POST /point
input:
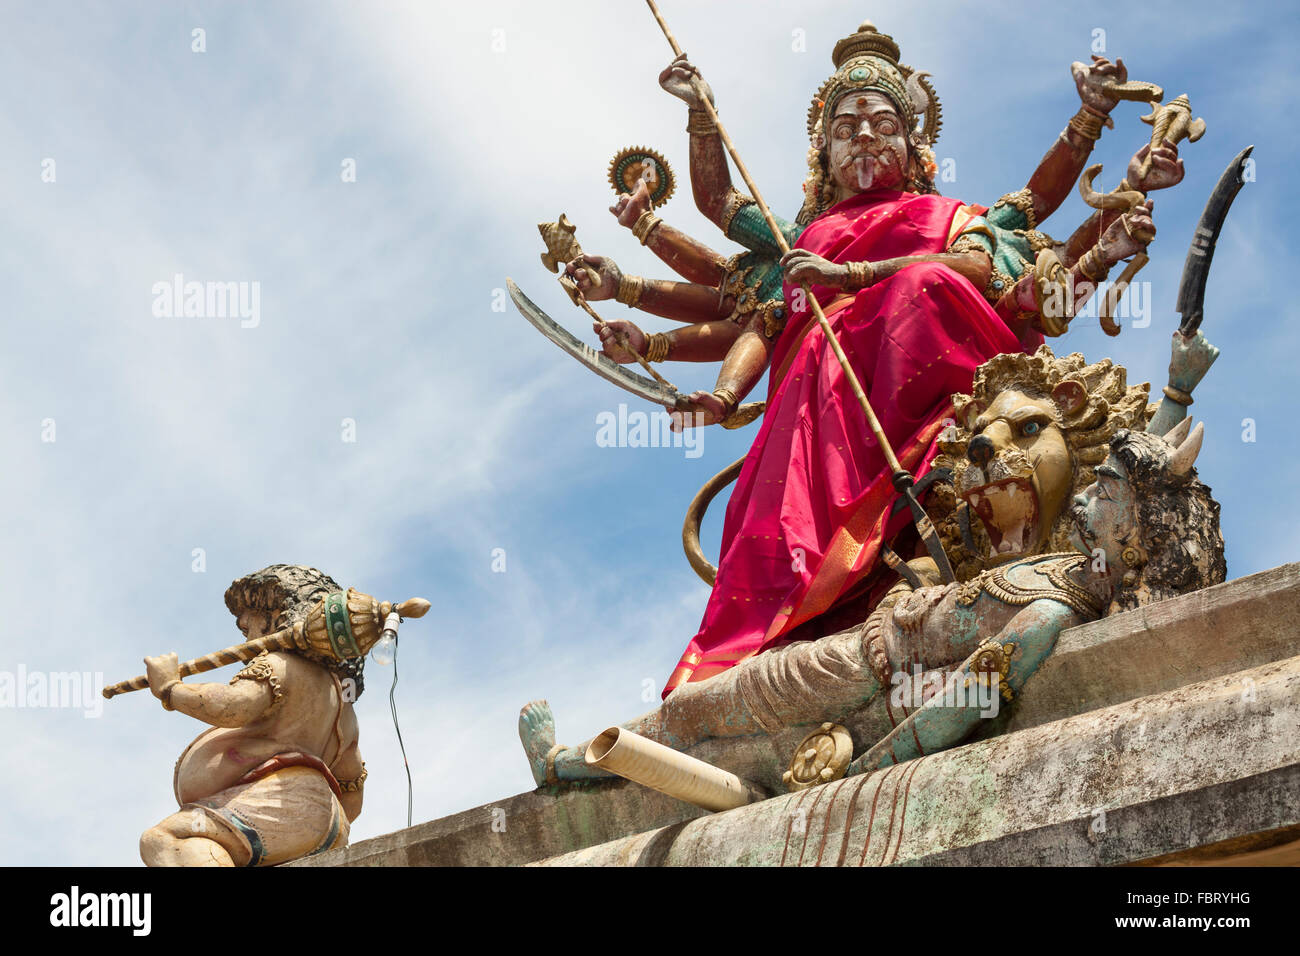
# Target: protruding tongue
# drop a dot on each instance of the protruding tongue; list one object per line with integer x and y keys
{"x": 866, "y": 170}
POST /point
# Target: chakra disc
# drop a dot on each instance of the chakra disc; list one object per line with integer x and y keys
{"x": 629, "y": 166}
{"x": 821, "y": 757}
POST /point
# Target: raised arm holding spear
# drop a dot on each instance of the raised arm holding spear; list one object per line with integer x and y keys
{"x": 901, "y": 478}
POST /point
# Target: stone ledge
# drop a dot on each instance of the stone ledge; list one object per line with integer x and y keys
{"x": 1195, "y": 766}
{"x": 537, "y": 824}
{"x": 1199, "y": 827}
{"x": 1194, "y": 637}
{"x": 1236, "y": 625}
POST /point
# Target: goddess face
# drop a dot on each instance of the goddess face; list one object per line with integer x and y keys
{"x": 866, "y": 144}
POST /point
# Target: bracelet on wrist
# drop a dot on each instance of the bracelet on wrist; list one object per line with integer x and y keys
{"x": 1178, "y": 395}
{"x": 1093, "y": 265}
{"x": 657, "y": 346}
{"x": 861, "y": 275}
{"x": 644, "y": 225}
{"x": 699, "y": 123}
{"x": 630, "y": 289}
{"x": 1088, "y": 123}
{"x": 165, "y": 695}
{"x": 728, "y": 398}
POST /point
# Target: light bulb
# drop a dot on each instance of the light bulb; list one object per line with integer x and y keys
{"x": 385, "y": 649}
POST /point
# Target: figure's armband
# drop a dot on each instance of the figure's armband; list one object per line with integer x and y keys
{"x": 1013, "y": 211}
{"x": 989, "y": 667}
{"x": 260, "y": 668}
{"x": 742, "y": 222}
{"x": 732, "y": 204}
{"x": 356, "y": 783}
{"x": 754, "y": 282}
{"x": 976, "y": 235}
{"x": 1007, "y": 235}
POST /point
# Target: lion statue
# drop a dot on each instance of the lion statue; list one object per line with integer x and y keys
{"x": 1022, "y": 444}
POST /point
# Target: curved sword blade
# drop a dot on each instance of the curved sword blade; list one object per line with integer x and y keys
{"x": 1191, "y": 291}
{"x": 599, "y": 363}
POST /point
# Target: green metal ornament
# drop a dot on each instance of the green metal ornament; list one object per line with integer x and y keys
{"x": 339, "y": 627}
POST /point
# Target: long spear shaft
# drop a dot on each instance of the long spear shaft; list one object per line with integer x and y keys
{"x": 902, "y": 479}
{"x": 890, "y": 458}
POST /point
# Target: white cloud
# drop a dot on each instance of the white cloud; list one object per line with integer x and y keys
{"x": 472, "y": 432}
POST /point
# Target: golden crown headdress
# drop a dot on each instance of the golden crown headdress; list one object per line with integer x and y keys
{"x": 868, "y": 60}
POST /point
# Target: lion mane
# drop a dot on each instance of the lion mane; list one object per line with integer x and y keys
{"x": 1110, "y": 404}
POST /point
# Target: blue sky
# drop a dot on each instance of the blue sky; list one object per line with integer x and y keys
{"x": 468, "y": 124}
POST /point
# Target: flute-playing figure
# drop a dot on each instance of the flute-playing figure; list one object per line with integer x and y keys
{"x": 279, "y": 775}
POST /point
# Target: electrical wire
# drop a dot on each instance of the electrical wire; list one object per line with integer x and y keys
{"x": 392, "y": 706}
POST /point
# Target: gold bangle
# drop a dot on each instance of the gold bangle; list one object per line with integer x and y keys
{"x": 1088, "y": 123}
{"x": 165, "y": 695}
{"x": 630, "y": 289}
{"x": 657, "y": 346}
{"x": 728, "y": 399}
{"x": 699, "y": 123}
{"x": 861, "y": 275}
{"x": 1177, "y": 395}
{"x": 1090, "y": 260}
{"x": 647, "y": 221}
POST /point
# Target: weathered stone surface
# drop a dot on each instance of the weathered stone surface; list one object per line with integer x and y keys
{"x": 1199, "y": 637}
{"x": 1191, "y": 638}
{"x": 537, "y": 825}
{"x": 1206, "y": 824}
{"x": 1198, "y": 765}
{"x": 1220, "y": 630}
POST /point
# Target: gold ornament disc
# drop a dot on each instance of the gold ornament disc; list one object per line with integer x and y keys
{"x": 629, "y": 166}
{"x": 821, "y": 757}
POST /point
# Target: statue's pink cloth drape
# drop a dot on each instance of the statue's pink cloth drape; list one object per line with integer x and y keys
{"x": 810, "y": 509}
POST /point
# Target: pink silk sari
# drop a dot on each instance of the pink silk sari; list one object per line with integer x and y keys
{"x": 810, "y": 509}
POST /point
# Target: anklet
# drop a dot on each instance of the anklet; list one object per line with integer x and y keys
{"x": 551, "y": 754}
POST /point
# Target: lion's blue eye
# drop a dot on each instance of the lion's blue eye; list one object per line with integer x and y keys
{"x": 1031, "y": 428}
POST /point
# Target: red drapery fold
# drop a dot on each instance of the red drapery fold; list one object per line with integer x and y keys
{"x": 810, "y": 509}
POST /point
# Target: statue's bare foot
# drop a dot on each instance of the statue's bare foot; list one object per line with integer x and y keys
{"x": 537, "y": 731}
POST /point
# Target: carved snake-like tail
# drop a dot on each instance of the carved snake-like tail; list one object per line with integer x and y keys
{"x": 695, "y": 514}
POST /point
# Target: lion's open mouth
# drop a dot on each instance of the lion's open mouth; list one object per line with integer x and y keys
{"x": 1008, "y": 510}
